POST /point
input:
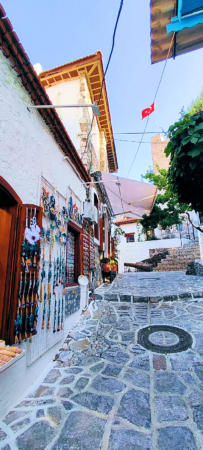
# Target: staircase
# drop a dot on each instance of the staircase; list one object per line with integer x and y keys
{"x": 178, "y": 258}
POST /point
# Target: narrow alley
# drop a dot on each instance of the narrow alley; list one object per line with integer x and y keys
{"x": 125, "y": 378}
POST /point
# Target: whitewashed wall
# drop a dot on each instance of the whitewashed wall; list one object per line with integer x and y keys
{"x": 27, "y": 148}
{"x": 132, "y": 252}
{"x": 68, "y": 93}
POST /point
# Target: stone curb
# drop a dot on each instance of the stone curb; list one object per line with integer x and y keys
{"x": 155, "y": 299}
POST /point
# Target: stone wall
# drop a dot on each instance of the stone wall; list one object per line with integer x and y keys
{"x": 195, "y": 268}
{"x": 158, "y": 155}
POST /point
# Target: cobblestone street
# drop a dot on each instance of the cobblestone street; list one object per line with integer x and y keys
{"x": 106, "y": 391}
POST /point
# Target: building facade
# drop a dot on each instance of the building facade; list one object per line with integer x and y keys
{"x": 81, "y": 83}
{"x": 48, "y": 230}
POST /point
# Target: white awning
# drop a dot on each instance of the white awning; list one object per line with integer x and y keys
{"x": 130, "y": 198}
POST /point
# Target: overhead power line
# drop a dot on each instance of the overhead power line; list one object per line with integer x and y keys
{"x": 136, "y": 132}
{"x": 107, "y": 66}
{"x": 147, "y": 132}
{"x": 143, "y": 142}
{"x": 112, "y": 47}
{"x": 122, "y": 200}
{"x": 153, "y": 102}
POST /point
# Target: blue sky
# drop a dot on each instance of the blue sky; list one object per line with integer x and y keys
{"x": 55, "y": 32}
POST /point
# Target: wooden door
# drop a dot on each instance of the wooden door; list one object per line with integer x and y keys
{"x": 13, "y": 221}
{"x": 8, "y": 222}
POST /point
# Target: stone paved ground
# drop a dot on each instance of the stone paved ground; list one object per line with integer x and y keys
{"x": 150, "y": 285}
{"x": 107, "y": 392}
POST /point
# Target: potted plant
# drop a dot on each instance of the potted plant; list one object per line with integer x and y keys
{"x": 106, "y": 266}
{"x": 113, "y": 265}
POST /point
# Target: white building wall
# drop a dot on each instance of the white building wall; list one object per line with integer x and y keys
{"x": 68, "y": 93}
{"x": 27, "y": 151}
{"x": 27, "y": 147}
{"x": 132, "y": 252}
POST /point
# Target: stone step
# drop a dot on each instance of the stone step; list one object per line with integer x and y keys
{"x": 178, "y": 258}
{"x": 189, "y": 252}
{"x": 189, "y": 255}
{"x": 166, "y": 269}
{"x": 168, "y": 266}
{"x": 181, "y": 258}
{"x": 183, "y": 261}
{"x": 183, "y": 254}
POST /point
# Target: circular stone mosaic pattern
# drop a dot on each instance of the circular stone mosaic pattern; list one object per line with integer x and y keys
{"x": 164, "y": 339}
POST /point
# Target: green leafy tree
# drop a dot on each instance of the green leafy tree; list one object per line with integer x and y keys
{"x": 118, "y": 232}
{"x": 167, "y": 208}
{"x": 185, "y": 149}
{"x": 197, "y": 105}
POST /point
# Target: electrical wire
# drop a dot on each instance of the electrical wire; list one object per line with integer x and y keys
{"x": 147, "y": 132}
{"x": 112, "y": 48}
{"x": 107, "y": 66}
{"x": 122, "y": 200}
{"x": 153, "y": 102}
{"x": 136, "y": 132}
{"x": 143, "y": 142}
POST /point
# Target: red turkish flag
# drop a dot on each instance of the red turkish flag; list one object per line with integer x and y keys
{"x": 146, "y": 112}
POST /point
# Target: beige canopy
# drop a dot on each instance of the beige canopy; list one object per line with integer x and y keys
{"x": 129, "y": 198}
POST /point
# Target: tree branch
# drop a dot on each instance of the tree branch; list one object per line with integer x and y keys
{"x": 195, "y": 226}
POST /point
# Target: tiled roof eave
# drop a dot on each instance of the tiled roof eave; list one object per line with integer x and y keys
{"x": 52, "y": 76}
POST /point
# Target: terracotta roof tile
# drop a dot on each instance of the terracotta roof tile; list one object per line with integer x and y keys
{"x": 7, "y": 24}
{"x": 5, "y": 50}
{"x": 126, "y": 221}
{"x": 2, "y": 27}
{"x": 8, "y": 38}
{"x": 2, "y": 12}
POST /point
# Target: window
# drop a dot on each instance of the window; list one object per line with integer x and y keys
{"x": 96, "y": 226}
{"x": 189, "y": 6}
{"x": 189, "y": 14}
{"x": 130, "y": 237}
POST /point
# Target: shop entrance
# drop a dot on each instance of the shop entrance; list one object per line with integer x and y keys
{"x": 73, "y": 265}
{"x": 9, "y": 203}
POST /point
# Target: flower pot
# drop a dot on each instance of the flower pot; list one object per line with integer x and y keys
{"x": 113, "y": 267}
{"x": 106, "y": 267}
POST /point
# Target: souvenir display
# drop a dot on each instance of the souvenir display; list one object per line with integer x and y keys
{"x": 49, "y": 290}
{"x": 44, "y": 308}
{"x": 59, "y": 316}
{"x": 43, "y": 275}
{"x": 28, "y": 296}
{"x": 55, "y": 300}
{"x": 62, "y": 309}
{"x": 86, "y": 246}
{"x": 47, "y": 262}
{"x": 72, "y": 301}
{"x": 92, "y": 250}
{"x": 70, "y": 257}
{"x": 88, "y": 249}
